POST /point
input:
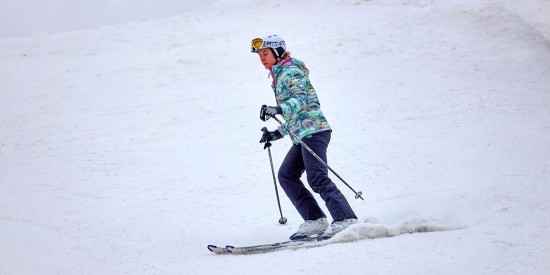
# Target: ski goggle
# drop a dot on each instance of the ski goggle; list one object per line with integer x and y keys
{"x": 256, "y": 44}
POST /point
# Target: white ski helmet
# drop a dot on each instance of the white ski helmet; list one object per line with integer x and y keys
{"x": 274, "y": 42}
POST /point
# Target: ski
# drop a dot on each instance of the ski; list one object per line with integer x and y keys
{"x": 265, "y": 248}
{"x": 364, "y": 230}
{"x": 256, "y": 249}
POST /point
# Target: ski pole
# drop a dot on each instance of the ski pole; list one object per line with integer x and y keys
{"x": 267, "y": 145}
{"x": 357, "y": 194}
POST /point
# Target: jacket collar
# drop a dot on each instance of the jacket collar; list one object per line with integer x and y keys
{"x": 277, "y": 67}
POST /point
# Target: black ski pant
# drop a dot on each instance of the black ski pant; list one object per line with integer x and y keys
{"x": 298, "y": 160}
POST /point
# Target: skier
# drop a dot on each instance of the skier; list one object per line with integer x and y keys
{"x": 297, "y": 102}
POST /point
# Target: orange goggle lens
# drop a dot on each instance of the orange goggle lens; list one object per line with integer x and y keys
{"x": 256, "y": 44}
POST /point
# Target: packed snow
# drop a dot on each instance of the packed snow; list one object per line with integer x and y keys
{"x": 128, "y": 149}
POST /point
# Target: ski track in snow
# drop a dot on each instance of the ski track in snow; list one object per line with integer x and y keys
{"x": 127, "y": 149}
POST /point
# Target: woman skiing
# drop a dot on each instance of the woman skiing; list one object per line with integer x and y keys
{"x": 297, "y": 102}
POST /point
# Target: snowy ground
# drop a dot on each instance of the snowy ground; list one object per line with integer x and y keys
{"x": 129, "y": 149}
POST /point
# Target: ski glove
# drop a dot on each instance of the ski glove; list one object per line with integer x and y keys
{"x": 267, "y": 111}
{"x": 270, "y": 135}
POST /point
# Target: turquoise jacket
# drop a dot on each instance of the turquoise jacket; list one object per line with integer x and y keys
{"x": 297, "y": 99}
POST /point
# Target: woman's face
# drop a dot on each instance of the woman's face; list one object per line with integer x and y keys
{"x": 267, "y": 58}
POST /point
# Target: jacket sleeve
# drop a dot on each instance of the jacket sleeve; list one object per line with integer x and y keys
{"x": 282, "y": 130}
{"x": 296, "y": 83}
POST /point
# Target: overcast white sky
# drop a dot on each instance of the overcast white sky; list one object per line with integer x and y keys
{"x": 25, "y": 17}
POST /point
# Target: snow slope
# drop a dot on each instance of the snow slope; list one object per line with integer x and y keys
{"x": 128, "y": 149}
{"x": 26, "y": 17}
